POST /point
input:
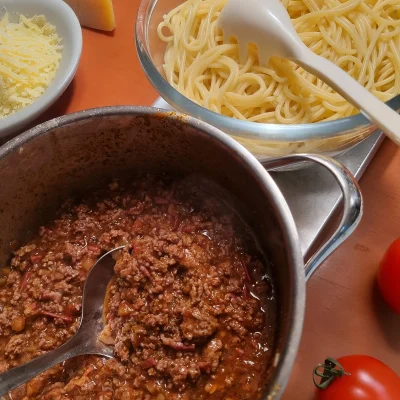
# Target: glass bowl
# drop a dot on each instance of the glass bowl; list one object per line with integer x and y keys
{"x": 330, "y": 138}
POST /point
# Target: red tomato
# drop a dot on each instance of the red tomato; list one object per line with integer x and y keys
{"x": 389, "y": 276}
{"x": 358, "y": 377}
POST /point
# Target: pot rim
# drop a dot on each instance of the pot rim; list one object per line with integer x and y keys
{"x": 286, "y": 358}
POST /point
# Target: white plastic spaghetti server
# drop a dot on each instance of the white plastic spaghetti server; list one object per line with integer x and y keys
{"x": 267, "y": 24}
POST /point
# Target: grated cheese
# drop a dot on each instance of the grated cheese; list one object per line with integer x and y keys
{"x": 30, "y": 53}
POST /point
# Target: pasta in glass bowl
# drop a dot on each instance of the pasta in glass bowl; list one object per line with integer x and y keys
{"x": 277, "y": 109}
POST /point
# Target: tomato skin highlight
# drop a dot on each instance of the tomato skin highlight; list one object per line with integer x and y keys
{"x": 369, "y": 379}
{"x": 389, "y": 276}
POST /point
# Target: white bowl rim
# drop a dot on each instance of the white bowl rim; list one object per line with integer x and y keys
{"x": 53, "y": 92}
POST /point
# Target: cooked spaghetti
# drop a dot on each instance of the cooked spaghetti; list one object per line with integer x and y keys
{"x": 360, "y": 36}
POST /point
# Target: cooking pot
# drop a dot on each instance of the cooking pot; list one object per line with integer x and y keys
{"x": 69, "y": 154}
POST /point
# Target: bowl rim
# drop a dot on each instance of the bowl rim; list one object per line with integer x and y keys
{"x": 22, "y": 117}
{"x": 244, "y": 129}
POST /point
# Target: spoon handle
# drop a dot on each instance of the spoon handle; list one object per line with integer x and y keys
{"x": 376, "y": 110}
{"x": 15, "y": 377}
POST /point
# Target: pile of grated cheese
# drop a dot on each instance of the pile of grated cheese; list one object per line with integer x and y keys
{"x": 30, "y": 53}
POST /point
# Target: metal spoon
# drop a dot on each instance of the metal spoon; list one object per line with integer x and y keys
{"x": 85, "y": 340}
{"x": 267, "y": 24}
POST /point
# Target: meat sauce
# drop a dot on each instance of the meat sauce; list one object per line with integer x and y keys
{"x": 191, "y": 311}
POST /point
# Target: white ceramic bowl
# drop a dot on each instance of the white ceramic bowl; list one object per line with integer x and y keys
{"x": 64, "y": 19}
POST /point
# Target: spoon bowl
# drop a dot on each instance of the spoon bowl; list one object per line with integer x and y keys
{"x": 86, "y": 339}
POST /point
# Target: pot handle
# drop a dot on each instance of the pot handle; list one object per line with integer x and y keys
{"x": 352, "y": 203}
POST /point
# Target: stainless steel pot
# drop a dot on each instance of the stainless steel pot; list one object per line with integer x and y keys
{"x": 67, "y": 154}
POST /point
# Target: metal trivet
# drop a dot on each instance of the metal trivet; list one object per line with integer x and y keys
{"x": 312, "y": 193}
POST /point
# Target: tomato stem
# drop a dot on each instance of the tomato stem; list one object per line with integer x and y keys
{"x": 331, "y": 370}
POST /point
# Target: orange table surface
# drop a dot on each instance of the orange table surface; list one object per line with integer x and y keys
{"x": 345, "y": 314}
{"x": 109, "y": 72}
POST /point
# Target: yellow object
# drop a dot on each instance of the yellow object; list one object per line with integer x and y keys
{"x": 96, "y": 14}
{"x": 30, "y": 53}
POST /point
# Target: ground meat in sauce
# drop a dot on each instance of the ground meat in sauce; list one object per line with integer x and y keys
{"x": 190, "y": 312}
